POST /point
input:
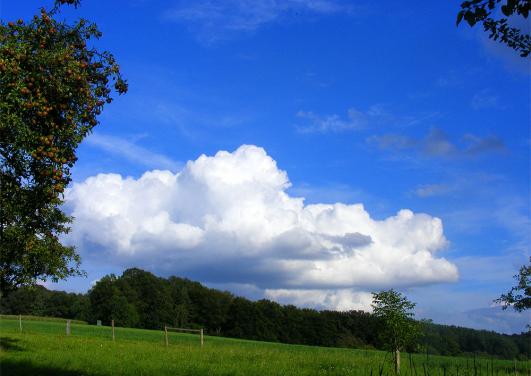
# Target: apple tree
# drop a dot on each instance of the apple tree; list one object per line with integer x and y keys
{"x": 53, "y": 85}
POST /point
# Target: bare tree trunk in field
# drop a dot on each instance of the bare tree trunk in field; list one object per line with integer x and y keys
{"x": 397, "y": 362}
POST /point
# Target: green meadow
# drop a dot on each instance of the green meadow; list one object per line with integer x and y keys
{"x": 43, "y": 348}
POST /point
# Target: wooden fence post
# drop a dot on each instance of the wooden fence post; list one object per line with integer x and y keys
{"x": 67, "y": 327}
{"x": 20, "y": 322}
{"x": 112, "y": 323}
{"x": 201, "y": 337}
{"x": 166, "y": 334}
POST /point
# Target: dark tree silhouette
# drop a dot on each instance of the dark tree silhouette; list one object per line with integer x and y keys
{"x": 519, "y": 297}
{"x": 476, "y": 11}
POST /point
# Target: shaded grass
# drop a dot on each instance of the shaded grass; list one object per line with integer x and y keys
{"x": 44, "y": 349}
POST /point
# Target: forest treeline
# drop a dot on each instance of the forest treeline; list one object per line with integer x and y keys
{"x": 142, "y": 300}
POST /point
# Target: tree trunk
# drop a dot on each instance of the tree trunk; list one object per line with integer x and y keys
{"x": 397, "y": 362}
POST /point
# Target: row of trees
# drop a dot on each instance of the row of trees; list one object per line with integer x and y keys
{"x": 142, "y": 300}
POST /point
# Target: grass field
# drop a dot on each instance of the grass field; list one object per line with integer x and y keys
{"x": 44, "y": 349}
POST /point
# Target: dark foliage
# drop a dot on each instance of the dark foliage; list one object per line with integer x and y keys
{"x": 141, "y": 299}
{"x": 519, "y": 297}
{"x": 484, "y": 11}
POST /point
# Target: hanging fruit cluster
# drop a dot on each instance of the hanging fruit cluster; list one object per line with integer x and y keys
{"x": 53, "y": 86}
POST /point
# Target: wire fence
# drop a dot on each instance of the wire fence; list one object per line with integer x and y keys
{"x": 375, "y": 362}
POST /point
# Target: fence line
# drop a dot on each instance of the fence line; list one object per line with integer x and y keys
{"x": 185, "y": 329}
{"x": 200, "y": 331}
{"x": 468, "y": 367}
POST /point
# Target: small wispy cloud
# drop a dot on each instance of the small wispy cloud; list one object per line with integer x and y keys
{"x": 478, "y": 145}
{"x": 459, "y": 184}
{"x": 437, "y": 144}
{"x": 430, "y": 190}
{"x": 448, "y": 80}
{"x": 216, "y": 20}
{"x": 356, "y": 120}
{"x": 132, "y": 152}
{"x": 485, "y": 99}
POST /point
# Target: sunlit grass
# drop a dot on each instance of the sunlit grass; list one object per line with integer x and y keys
{"x": 43, "y": 348}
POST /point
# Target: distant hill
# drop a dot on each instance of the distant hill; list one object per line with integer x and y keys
{"x": 140, "y": 299}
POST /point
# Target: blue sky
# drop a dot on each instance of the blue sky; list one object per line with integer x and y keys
{"x": 381, "y": 103}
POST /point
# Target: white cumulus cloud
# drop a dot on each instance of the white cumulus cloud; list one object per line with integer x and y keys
{"x": 228, "y": 219}
{"x": 339, "y": 300}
